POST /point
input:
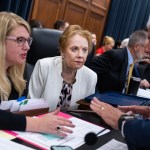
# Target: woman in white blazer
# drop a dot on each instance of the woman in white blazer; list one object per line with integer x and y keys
{"x": 63, "y": 80}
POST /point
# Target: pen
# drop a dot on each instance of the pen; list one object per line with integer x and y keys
{"x": 80, "y": 111}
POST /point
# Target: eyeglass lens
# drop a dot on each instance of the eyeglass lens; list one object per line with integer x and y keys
{"x": 21, "y": 41}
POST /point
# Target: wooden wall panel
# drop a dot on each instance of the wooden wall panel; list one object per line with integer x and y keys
{"x": 75, "y": 14}
{"x": 100, "y": 3}
{"x": 95, "y": 24}
{"x": 90, "y": 14}
{"x": 47, "y": 11}
{"x": 97, "y": 17}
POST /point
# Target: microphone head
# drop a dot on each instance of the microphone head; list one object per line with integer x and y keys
{"x": 91, "y": 138}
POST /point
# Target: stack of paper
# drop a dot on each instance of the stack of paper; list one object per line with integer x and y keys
{"x": 113, "y": 145}
{"x": 26, "y": 104}
{"x": 74, "y": 140}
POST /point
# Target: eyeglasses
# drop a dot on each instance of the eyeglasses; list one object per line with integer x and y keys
{"x": 20, "y": 40}
{"x": 142, "y": 45}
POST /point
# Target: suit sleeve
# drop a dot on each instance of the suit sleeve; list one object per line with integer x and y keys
{"x": 137, "y": 133}
{"x": 10, "y": 121}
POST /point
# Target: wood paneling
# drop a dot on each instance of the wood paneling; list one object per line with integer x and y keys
{"x": 90, "y": 14}
{"x": 96, "y": 19}
{"x": 75, "y": 14}
{"x": 47, "y": 11}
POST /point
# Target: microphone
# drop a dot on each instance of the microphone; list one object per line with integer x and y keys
{"x": 91, "y": 138}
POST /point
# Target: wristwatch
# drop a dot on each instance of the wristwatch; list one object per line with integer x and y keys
{"x": 124, "y": 117}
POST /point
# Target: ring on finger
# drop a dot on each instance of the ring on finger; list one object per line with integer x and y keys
{"x": 102, "y": 108}
{"x": 58, "y": 128}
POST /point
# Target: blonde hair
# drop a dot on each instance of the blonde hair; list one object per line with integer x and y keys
{"x": 70, "y": 32}
{"x": 14, "y": 74}
{"x": 107, "y": 40}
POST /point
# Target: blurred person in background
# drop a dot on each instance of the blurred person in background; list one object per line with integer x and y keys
{"x": 108, "y": 44}
{"x": 35, "y": 23}
{"x": 61, "y": 25}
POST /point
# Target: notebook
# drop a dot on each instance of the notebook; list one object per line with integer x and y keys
{"x": 116, "y": 99}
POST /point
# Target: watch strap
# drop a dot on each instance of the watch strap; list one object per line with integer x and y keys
{"x": 124, "y": 117}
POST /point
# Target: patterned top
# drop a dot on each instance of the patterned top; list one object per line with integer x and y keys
{"x": 65, "y": 95}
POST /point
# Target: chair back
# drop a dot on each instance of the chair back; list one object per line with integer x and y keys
{"x": 45, "y": 44}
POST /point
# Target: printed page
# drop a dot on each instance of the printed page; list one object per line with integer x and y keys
{"x": 6, "y": 135}
{"x": 114, "y": 145}
{"x": 73, "y": 140}
{"x": 15, "y": 106}
{"x": 6, "y": 105}
{"x": 30, "y": 104}
{"x": 9, "y": 145}
{"x": 143, "y": 93}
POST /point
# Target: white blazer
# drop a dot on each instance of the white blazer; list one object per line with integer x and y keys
{"x": 46, "y": 82}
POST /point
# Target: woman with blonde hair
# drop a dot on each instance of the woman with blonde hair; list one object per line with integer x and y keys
{"x": 108, "y": 44}
{"x": 15, "y": 42}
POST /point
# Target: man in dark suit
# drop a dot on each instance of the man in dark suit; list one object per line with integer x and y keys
{"x": 135, "y": 131}
{"x": 112, "y": 67}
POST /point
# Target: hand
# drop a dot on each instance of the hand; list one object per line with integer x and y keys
{"x": 144, "y": 83}
{"x": 109, "y": 114}
{"x": 142, "y": 110}
{"x": 49, "y": 124}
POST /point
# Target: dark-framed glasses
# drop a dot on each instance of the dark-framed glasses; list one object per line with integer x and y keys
{"x": 20, "y": 40}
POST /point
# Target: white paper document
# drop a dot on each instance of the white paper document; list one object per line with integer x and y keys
{"x": 26, "y": 104}
{"x": 6, "y": 105}
{"x": 143, "y": 93}
{"x": 33, "y": 104}
{"x": 114, "y": 145}
{"x": 6, "y": 144}
{"x": 73, "y": 140}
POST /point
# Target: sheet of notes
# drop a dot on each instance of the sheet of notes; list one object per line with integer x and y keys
{"x": 73, "y": 140}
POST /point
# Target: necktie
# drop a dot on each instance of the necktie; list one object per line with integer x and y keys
{"x": 129, "y": 76}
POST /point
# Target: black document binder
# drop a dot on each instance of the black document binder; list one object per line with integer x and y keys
{"x": 116, "y": 99}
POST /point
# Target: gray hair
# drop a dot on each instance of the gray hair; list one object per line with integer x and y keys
{"x": 148, "y": 22}
{"x": 138, "y": 36}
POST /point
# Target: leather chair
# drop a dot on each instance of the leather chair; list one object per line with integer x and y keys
{"x": 45, "y": 44}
